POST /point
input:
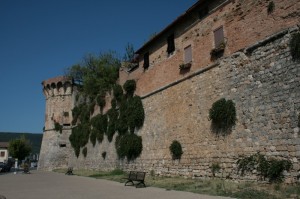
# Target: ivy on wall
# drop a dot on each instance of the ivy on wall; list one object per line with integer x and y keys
{"x": 272, "y": 169}
{"x": 223, "y": 116}
{"x": 58, "y": 127}
{"x": 125, "y": 116}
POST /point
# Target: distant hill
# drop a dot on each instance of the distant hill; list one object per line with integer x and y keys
{"x": 35, "y": 139}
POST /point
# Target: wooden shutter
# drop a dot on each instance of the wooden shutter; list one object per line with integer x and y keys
{"x": 219, "y": 37}
{"x": 188, "y": 54}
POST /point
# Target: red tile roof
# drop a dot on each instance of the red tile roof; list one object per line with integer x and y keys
{"x": 4, "y": 144}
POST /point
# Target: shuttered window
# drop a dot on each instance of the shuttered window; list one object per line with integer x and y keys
{"x": 2, "y": 154}
{"x": 171, "y": 44}
{"x": 219, "y": 37}
{"x": 188, "y": 54}
{"x": 146, "y": 60}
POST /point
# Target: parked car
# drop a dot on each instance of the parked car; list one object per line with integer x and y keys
{"x": 6, "y": 167}
{"x": 1, "y": 166}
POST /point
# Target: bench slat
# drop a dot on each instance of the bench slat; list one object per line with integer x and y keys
{"x": 136, "y": 176}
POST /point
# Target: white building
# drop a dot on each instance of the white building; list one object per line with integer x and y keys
{"x": 3, "y": 152}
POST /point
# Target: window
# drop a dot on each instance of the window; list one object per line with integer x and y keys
{"x": 219, "y": 37}
{"x": 66, "y": 114}
{"x": 171, "y": 44}
{"x": 188, "y": 54}
{"x": 62, "y": 145}
{"x": 2, "y": 154}
{"x": 146, "y": 60}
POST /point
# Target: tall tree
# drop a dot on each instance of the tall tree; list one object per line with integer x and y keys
{"x": 96, "y": 74}
{"x": 19, "y": 148}
{"x": 129, "y": 53}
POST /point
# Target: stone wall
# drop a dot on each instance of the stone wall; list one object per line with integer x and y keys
{"x": 56, "y": 148}
{"x": 264, "y": 83}
{"x": 262, "y": 80}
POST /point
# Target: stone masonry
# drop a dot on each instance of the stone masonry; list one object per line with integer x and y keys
{"x": 56, "y": 148}
{"x": 256, "y": 72}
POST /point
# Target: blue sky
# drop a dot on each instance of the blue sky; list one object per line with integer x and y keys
{"x": 39, "y": 39}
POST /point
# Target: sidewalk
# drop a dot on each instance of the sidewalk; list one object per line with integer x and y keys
{"x": 51, "y": 185}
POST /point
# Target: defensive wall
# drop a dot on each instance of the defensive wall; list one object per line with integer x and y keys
{"x": 256, "y": 71}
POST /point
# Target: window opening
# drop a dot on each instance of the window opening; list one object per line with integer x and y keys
{"x": 171, "y": 44}
{"x": 146, "y": 60}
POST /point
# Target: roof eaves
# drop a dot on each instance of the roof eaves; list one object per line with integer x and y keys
{"x": 174, "y": 23}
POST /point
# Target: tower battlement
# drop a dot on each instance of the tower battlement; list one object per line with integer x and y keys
{"x": 59, "y": 94}
{"x": 57, "y": 86}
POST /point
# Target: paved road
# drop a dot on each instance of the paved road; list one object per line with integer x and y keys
{"x": 50, "y": 185}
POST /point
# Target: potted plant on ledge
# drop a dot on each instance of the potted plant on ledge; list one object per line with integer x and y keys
{"x": 218, "y": 51}
{"x": 185, "y": 66}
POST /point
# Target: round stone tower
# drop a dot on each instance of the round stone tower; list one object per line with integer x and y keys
{"x": 55, "y": 149}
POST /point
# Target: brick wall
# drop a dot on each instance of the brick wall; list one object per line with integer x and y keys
{"x": 244, "y": 23}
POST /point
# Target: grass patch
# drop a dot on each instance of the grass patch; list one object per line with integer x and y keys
{"x": 215, "y": 187}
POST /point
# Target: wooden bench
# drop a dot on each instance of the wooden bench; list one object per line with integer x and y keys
{"x": 136, "y": 176}
{"x": 70, "y": 171}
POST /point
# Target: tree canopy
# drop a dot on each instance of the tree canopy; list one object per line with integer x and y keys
{"x": 19, "y": 148}
{"x": 96, "y": 74}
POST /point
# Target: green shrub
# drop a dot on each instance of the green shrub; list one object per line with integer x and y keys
{"x": 275, "y": 172}
{"x": 84, "y": 151}
{"x": 129, "y": 146}
{"x": 271, "y": 169}
{"x": 135, "y": 112}
{"x": 126, "y": 115}
{"x": 295, "y": 46}
{"x": 92, "y": 107}
{"x": 58, "y": 127}
{"x": 129, "y": 87}
{"x": 113, "y": 103}
{"x": 99, "y": 124}
{"x": 176, "y": 150}
{"x": 112, "y": 122}
{"x": 101, "y": 102}
{"x": 271, "y": 7}
{"x": 223, "y": 115}
{"x": 93, "y": 137}
{"x": 118, "y": 92}
{"x": 215, "y": 167}
{"x": 79, "y": 137}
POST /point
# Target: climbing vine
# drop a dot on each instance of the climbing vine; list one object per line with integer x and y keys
{"x": 266, "y": 168}
{"x": 58, "y": 127}
{"x": 125, "y": 116}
